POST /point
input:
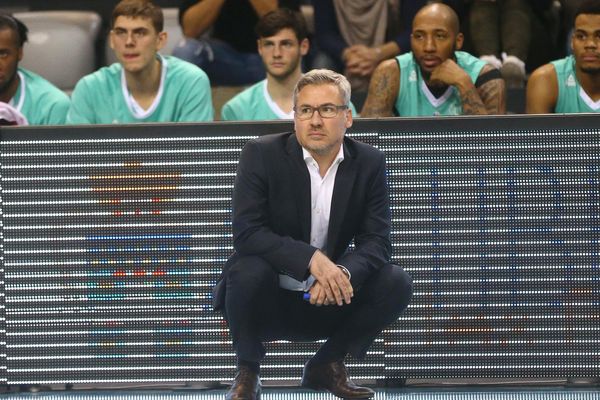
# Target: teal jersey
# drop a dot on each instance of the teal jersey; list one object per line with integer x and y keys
{"x": 571, "y": 96}
{"x": 416, "y": 100}
{"x": 40, "y": 102}
{"x": 103, "y": 98}
{"x": 254, "y": 104}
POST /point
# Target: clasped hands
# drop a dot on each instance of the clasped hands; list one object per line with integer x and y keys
{"x": 361, "y": 60}
{"x": 331, "y": 286}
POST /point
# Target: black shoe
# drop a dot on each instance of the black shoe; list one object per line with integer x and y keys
{"x": 334, "y": 378}
{"x": 246, "y": 385}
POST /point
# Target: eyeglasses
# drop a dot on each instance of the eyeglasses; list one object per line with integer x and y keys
{"x": 325, "y": 111}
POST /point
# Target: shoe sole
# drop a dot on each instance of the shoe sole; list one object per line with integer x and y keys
{"x": 318, "y": 389}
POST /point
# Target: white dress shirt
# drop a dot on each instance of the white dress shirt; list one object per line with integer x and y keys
{"x": 321, "y": 192}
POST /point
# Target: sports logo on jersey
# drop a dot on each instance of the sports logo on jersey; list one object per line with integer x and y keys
{"x": 570, "y": 81}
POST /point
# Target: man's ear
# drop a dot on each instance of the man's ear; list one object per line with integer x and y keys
{"x": 348, "y": 117}
{"x": 111, "y": 41}
{"x": 304, "y": 46}
{"x": 460, "y": 39}
{"x": 20, "y": 54}
{"x": 259, "y": 47}
{"x": 161, "y": 40}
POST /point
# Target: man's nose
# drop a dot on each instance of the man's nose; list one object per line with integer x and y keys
{"x": 591, "y": 41}
{"x": 429, "y": 44}
{"x": 130, "y": 40}
{"x": 316, "y": 118}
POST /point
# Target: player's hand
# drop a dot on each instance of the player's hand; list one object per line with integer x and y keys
{"x": 448, "y": 73}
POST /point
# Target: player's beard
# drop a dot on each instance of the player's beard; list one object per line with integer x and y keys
{"x": 591, "y": 71}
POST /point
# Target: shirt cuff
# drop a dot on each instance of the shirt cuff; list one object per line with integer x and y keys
{"x": 309, "y": 283}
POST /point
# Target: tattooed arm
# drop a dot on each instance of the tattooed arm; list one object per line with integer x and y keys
{"x": 492, "y": 93}
{"x": 383, "y": 90}
{"x": 488, "y": 99}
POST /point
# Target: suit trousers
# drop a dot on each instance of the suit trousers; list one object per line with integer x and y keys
{"x": 258, "y": 310}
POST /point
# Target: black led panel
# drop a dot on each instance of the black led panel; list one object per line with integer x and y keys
{"x": 500, "y": 231}
{"x": 113, "y": 247}
{"x": 112, "y": 238}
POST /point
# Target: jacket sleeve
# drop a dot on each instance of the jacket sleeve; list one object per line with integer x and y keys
{"x": 252, "y": 234}
{"x": 372, "y": 241}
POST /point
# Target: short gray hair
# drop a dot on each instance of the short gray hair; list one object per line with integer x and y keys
{"x": 324, "y": 77}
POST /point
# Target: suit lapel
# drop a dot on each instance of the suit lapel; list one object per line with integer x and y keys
{"x": 300, "y": 185}
{"x": 342, "y": 190}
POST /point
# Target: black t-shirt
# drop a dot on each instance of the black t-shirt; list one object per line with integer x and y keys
{"x": 235, "y": 24}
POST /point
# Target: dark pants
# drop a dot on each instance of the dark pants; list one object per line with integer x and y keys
{"x": 258, "y": 310}
{"x": 224, "y": 65}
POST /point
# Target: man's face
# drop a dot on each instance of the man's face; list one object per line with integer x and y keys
{"x": 281, "y": 53}
{"x": 433, "y": 41}
{"x": 586, "y": 43}
{"x": 321, "y": 136}
{"x": 10, "y": 55}
{"x": 136, "y": 42}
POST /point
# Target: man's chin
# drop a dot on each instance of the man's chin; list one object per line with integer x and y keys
{"x": 590, "y": 70}
{"x": 279, "y": 74}
{"x": 319, "y": 149}
{"x": 426, "y": 74}
{"x": 131, "y": 68}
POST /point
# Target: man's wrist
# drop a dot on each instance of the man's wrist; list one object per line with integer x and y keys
{"x": 345, "y": 271}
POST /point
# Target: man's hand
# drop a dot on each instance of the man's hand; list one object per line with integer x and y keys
{"x": 263, "y": 7}
{"x": 449, "y": 73}
{"x": 361, "y": 60}
{"x": 332, "y": 286}
{"x": 488, "y": 99}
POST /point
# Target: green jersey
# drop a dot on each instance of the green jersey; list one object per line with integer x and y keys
{"x": 254, "y": 104}
{"x": 416, "y": 100}
{"x": 103, "y": 97}
{"x": 571, "y": 96}
{"x": 40, "y": 102}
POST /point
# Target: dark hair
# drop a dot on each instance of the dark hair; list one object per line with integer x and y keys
{"x": 10, "y": 22}
{"x": 279, "y": 19}
{"x": 139, "y": 9}
{"x": 587, "y": 7}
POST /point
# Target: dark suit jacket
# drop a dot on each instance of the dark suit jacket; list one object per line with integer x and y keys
{"x": 272, "y": 210}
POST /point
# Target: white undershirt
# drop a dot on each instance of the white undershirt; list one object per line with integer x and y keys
{"x": 274, "y": 106}
{"x": 321, "y": 192}
{"x": 136, "y": 110}
{"x": 23, "y": 91}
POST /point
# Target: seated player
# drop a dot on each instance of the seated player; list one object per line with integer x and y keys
{"x": 435, "y": 78}
{"x": 36, "y": 100}
{"x": 143, "y": 86}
